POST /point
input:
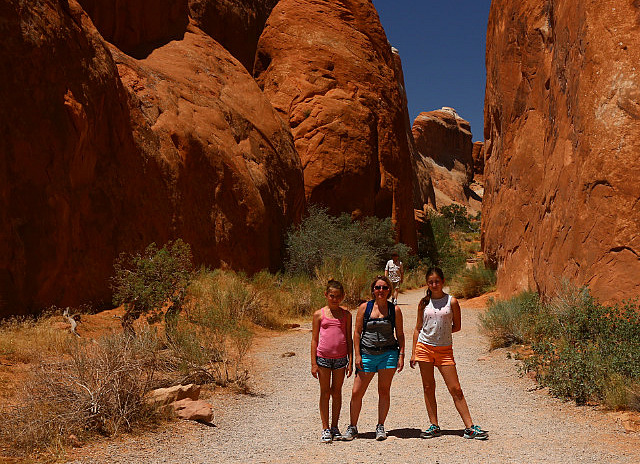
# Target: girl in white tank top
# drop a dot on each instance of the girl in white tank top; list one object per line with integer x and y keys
{"x": 438, "y": 317}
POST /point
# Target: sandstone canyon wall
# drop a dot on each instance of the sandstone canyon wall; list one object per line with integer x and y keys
{"x": 443, "y": 141}
{"x": 101, "y": 156}
{"x": 562, "y": 171}
{"x": 329, "y": 71}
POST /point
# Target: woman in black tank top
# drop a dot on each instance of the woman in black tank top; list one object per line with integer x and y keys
{"x": 379, "y": 347}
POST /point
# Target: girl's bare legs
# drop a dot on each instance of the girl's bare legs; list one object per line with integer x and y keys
{"x": 450, "y": 376}
{"x": 385, "y": 376}
{"x": 336, "y": 395}
{"x": 429, "y": 390}
{"x": 360, "y": 384}
{"x": 324, "y": 376}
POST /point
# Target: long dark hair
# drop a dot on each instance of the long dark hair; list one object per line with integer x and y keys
{"x": 432, "y": 270}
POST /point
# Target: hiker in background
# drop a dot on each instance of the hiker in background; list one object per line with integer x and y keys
{"x": 331, "y": 356}
{"x": 394, "y": 270}
{"x": 438, "y": 317}
{"x": 378, "y": 347}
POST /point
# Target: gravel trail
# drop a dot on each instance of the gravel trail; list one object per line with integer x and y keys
{"x": 279, "y": 422}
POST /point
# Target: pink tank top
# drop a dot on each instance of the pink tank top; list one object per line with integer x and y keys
{"x": 333, "y": 337}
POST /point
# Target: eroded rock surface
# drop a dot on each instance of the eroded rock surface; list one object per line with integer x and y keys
{"x": 561, "y": 129}
{"x": 443, "y": 140}
{"x": 328, "y": 70}
{"x": 188, "y": 147}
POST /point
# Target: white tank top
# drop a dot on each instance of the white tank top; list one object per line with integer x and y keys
{"x": 437, "y": 322}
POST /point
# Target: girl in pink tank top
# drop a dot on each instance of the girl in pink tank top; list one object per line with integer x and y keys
{"x": 331, "y": 356}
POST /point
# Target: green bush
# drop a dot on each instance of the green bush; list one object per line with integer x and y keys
{"x": 582, "y": 350}
{"x": 438, "y": 247}
{"x": 458, "y": 218}
{"x": 144, "y": 283}
{"x": 324, "y": 238}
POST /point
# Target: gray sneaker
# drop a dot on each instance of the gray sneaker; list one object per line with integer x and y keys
{"x": 380, "y": 433}
{"x": 335, "y": 434}
{"x": 476, "y": 432}
{"x": 326, "y": 436}
{"x": 351, "y": 433}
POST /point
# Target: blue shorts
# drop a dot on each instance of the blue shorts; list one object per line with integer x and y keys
{"x": 376, "y": 362}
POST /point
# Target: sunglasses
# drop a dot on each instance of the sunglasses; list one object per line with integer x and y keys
{"x": 381, "y": 287}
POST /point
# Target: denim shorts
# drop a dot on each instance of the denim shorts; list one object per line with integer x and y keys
{"x": 329, "y": 363}
{"x": 376, "y": 362}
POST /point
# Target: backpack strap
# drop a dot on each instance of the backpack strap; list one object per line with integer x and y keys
{"x": 392, "y": 314}
{"x": 367, "y": 315}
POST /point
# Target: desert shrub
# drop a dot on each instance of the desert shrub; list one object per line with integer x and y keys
{"x": 145, "y": 282}
{"x": 322, "y": 237}
{"x": 474, "y": 282}
{"x": 582, "y": 349}
{"x": 458, "y": 218}
{"x": 514, "y": 321}
{"x": 98, "y": 389}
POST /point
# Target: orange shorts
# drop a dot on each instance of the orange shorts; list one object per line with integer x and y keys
{"x": 438, "y": 355}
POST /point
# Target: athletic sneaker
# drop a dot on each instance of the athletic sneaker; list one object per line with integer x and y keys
{"x": 326, "y": 436}
{"x": 476, "y": 432}
{"x": 351, "y": 433}
{"x": 335, "y": 434}
{"x": 431, "y": 432}
{"x": 380, "y": 433}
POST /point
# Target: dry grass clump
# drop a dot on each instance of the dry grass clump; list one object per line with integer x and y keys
{"x": 97, "y": 389}
{"x": 354, "y": 274}
{"x": 26, "y": 340}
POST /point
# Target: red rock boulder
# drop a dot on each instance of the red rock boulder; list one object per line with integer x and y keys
{"x": 234, "y": 174}
{"x": 189, "y": 147}
{"x": 443, "y": 140}
{"x": 74, "y": 189}
{"x": 561, "y": 129}
{"x": 328, "y": 69}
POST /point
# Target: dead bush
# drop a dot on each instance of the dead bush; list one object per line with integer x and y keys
{"x": 98, "y": 389}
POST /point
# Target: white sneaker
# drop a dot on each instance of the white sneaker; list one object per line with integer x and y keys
{"x": 380, "y": 432}
{"x": 326, "y": 436}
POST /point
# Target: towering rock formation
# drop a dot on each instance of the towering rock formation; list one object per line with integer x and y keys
{"x": 188, "y": 147}
{"x": 328, "y": 70}
{"x": 443, "y": 140}
{"x": 561, "y": 128}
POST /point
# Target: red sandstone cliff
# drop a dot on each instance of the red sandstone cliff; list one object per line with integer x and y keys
{"x": 328, "y": 70}
{"x": 561, "y": 130}
{"x": 443, "y": 141}
{"x": 99, "y": 159}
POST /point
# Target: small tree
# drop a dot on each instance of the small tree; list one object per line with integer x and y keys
{"x": 144, "y": 283}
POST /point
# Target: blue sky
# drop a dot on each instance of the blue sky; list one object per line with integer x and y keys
{"x": 442, "y": 46}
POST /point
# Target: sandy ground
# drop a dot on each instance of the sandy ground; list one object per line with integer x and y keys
{"x": 279, "y": 421}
